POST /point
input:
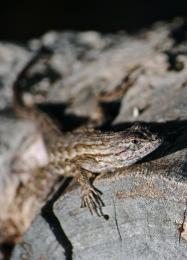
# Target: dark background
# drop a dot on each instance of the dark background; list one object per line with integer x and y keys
{"x": 23, "y": 19}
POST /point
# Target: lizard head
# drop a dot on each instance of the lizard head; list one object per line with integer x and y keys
{"x": 138, "y": 141}
{"x": 119, "y": 149}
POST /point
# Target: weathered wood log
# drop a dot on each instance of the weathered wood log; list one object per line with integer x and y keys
{"x": 145, "y": 203}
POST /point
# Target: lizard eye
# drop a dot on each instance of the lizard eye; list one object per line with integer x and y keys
{"x": 134, "y": 141}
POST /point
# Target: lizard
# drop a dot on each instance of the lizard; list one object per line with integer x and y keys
{"x": 84, "y": 154}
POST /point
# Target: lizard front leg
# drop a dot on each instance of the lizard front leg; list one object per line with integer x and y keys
{"x": 90, "y": 196}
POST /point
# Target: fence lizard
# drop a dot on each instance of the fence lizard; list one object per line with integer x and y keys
{"x": 84, "y": 154}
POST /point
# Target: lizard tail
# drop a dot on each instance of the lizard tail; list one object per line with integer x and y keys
{"x": 44, "y": 123}
{"x": 21, "y": 109}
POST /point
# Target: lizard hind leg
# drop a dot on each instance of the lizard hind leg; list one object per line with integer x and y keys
{"x": 90, "y": 196}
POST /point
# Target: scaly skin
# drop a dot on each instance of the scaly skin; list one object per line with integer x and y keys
{"x": 83, "y": 154}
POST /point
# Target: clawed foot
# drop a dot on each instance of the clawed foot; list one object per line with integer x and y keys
{"x": 90, "y": 198}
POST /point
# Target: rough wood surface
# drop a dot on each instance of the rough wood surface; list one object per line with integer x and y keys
{"x": 146, "y": 202}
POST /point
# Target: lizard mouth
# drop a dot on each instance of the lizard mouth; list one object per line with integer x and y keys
{"x": 154, "y": 145}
